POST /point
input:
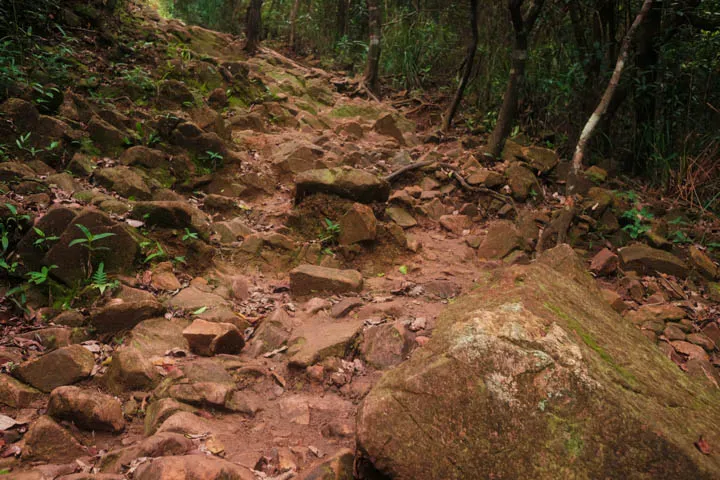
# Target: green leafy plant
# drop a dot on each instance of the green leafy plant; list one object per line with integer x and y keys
{"x": 43, "y": 241}
{"x": 41, "y": 276}
{"x": 189, "y": 235}
{"x": 89, "y": 242}
{"x": 100, "y": 280}
{"x": 331, "y": 232}
{"x": 11, "y": 226}
{"x": 678, "y": 236}
{"x": 156, "y": 252}
{"x": 637, "y": 225}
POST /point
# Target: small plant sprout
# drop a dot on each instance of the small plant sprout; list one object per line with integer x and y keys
{"x": 331, "y": 231}
{"x": 189, "y": 235}
{"x": 215, "y": 158}
{"x": 156, "y": 253}
{"x": 43, "y": 240}
{"x": 100, "y": 280}
{"x": 41, "y": 276}
{"x": 637, "y": 226}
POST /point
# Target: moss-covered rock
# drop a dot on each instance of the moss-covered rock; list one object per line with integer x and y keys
{"x": 534, "y": 376}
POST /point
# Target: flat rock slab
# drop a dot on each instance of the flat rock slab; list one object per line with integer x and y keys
{"x": 120, "y": 315}
{"x": 533, "y": 375}
{"x": 307, "y": 279}
{"x": 644, "y": 259}
{"x": 319, "y": 338}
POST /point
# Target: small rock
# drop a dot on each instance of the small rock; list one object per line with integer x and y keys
{"x": 663, "y": 313}
{"x": 351, "y": 183}
{"x": 502, "y": 238}
{"x": 604, "y": 263}
{"x": 338, "y": 467}
{"x": 159, "y": 411}
{"x": 47, "y": 441}
{"x": 246, "y": 403}
{"x": 209, "y": 338}
{"x": 615, "y": 300}
{"x": 88, "y": 409}
{"x": 673, "y": 333}
{"x": 385, "y": 345}
{"x": 401, "y": 217}
{"x": 64, "y": 366}
{"x": 522, "y": 182}
{"x": 701, "y": 340}
{"x": 307, "y": 279}
{"x": 357, "y": 225}
{"x": 130, "y": 370}
{"x": 159, "y": 445}
{"x": 455, "y": 223}
{"x": 386, "y": 125}
{"x": 703, "y": 264}
{"x": 163, "y": 278}
{"x": 16, "y": 394}
{"x": 186, "y": 423}
{"x": 690, "y": 350}
{"x": 120, "y": 315}
{"x": 344, "y": 306}
{"x": 191, "y": 467}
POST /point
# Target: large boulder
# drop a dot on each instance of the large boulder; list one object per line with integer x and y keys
{"x": 533, "y": 375}
{"x": 349, "y": 183}
{"x": 117, "y": 252}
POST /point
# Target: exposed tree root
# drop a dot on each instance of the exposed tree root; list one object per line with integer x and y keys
{"x": 456, "y": 175}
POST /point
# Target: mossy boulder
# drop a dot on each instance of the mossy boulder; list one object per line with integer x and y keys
{"x": 532, "y": 375}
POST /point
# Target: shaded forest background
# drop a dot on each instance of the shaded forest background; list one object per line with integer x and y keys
{"x": 664, "y": 121}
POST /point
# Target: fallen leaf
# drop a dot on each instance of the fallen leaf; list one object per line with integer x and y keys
{"x": 6, "y": 422}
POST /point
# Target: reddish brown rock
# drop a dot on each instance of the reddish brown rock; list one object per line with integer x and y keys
{"x": 358, "y": 225}
{"x": 191, "y": 467}
{"x": 64, "y": 366}
{"x": 643, "y": 259}
{"x": 47, "y": 441}
{"x": 210, "y": 338}
{"x": 605, "y": 262}
{"x": 702, "y": 263}
{"x": 88, "y": 409}
{"x": 307, "y": 279}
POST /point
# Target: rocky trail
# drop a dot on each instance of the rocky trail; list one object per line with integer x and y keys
{"x": 221, "y": 267}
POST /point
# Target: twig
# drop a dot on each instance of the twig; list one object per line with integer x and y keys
{"x": 407, "y": 168}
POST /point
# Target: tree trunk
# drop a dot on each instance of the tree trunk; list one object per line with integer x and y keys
{"x": 253, "y": 26}
{"x": 522, "y": 28}
{"x": 467, "y": 71}
{"x": 607, "y": 97}
{"x": 341, "y": 19}
{"x": 293, "y": 24}
{"x": 372, "y": 75}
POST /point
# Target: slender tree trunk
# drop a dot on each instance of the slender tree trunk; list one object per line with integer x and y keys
{"x": 341, "y": 19}
{"x": 508, "y": 111}
{"x": 293, "y": 24}
{"x": 253, "y": 26}
{"x": 607, "y": 97}
{"x": 467, "y": 71}
{"x": 372, "y": 74}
